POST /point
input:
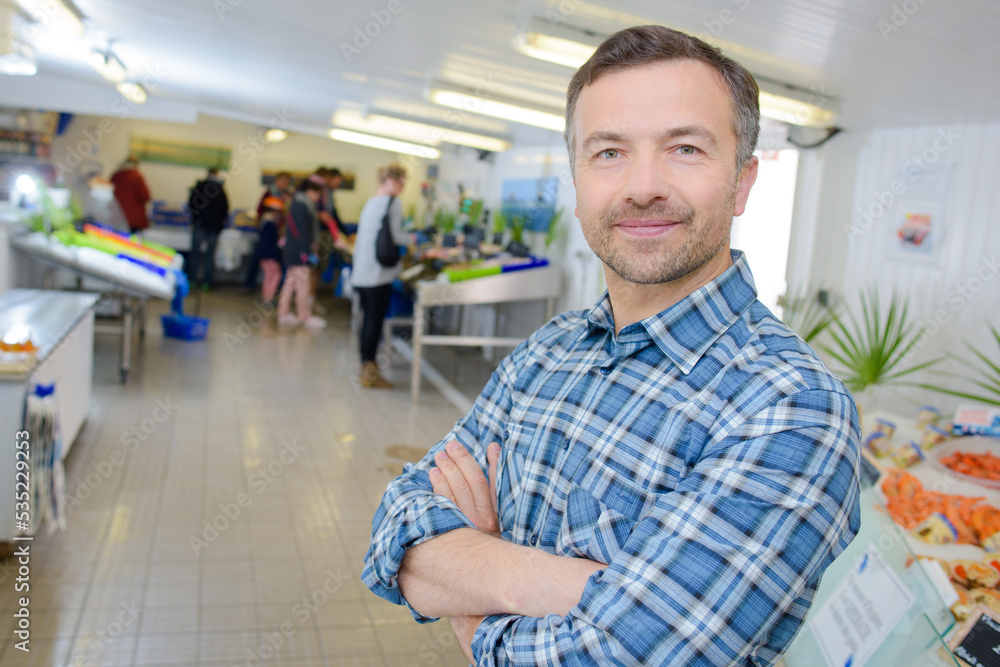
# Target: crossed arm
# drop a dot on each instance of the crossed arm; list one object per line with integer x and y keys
{"x": 467, "y": 574}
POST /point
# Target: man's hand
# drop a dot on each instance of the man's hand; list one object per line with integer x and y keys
{"x": 459, "y": 478}
{"x": 468, "y": 572}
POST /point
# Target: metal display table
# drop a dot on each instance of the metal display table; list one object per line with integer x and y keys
{"x": 130, "y": 285}
{"x": 61, "y": 325}
{"x": 527, "y": 285}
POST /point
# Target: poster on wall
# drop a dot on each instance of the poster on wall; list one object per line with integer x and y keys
{"x": 535, "y": 198}
{"x": 917, "y": 224}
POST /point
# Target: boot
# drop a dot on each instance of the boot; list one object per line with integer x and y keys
{"x": 371, "y": 378}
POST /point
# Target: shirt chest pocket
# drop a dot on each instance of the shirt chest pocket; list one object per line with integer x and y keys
{"x": 593, "y": 529}
{"x": 511, "y": 485}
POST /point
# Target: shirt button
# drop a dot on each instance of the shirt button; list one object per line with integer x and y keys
{"x": 506, "y": 436}
{"x": 605, "y": 370}
{"x": 534, "y": 540}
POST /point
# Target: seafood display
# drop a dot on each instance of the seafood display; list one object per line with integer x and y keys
{"x": 940, "y": 518}
{"x": 983, "y": 464}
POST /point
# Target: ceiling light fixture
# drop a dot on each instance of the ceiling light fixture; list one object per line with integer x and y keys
{"x": 488, "y": 106}
{"x": 560, "y": 44}
{"x": 108, "y": 65}
{"x": 792, "y": 105}
{"x": 61, "y": 16}
{"x": 133, "y": 92}
{"x": 385, "y": 144}
{"x": 275, "y": 135}
{"x": 572, "y": 47}
{"x": 410, "y": 130}
{"x": 16, "y": 56}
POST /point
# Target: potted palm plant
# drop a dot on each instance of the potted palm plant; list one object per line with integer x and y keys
{"x": 983, "y": 374}
{"x": 444, "y": 220}
{"x": 518, "y": 225}
{"x": 807, "y": 314}
{"x": 874, "y": 345}
{"x": 499, "y": 226}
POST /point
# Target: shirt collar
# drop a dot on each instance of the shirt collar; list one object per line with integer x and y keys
{"x": 685, "y": 331}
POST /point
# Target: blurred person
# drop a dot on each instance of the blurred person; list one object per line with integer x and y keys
{"x": 331, "y": 230}
{"x": 209, "y": 209}
{"x": 132, "y": 194}
{"x": 334, "y": 178}
{"x": 279, "y": 188}
{"x": 371, "y": 280}
{"x": 300, "y": 257}
{"x": 271, "y": 222}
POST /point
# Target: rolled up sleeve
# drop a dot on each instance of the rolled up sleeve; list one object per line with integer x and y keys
{"x": 411, "y": 513}
{"x": 721, "y": 570}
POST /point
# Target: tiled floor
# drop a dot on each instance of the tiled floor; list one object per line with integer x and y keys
{"x": 224, "y": 499}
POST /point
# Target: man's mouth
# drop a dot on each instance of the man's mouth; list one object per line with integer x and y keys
{"x": 646, "y": 228}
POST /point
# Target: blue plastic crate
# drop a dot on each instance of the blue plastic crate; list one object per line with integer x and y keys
{"x": 185, "y": 327}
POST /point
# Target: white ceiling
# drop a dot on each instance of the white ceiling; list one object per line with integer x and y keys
{"x": 251, "y": 59}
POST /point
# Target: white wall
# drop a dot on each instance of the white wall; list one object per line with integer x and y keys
{"x": 847, "y": 196}
{"x": 98, "y": 145}
{"x": 763, "y": 231}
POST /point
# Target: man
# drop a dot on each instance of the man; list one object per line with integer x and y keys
{"x": 209, "y": 209}
{"x": 328, "y": 209}
{"x": 132, "y": 194}
{"x": 330, "y": 263}
{"x": 661, "y": 479}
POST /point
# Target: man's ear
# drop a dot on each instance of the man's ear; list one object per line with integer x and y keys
{"x": 743, "y": 184}
{"x": 576, "y": 209}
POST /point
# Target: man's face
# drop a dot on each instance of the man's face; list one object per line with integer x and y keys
{"x": 396, "y": 186}
{"x": 281, "y": 183}
{"x": 314, "y": 195}
{"x": 655, "y": 170}
{"x": 333, "y": 182}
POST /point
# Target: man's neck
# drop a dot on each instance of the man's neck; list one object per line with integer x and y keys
{"x": 632, "y": 302}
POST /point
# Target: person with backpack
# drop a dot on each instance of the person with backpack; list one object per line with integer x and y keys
{"x": 209, "y": 209}
{"x": 372, "y": 280}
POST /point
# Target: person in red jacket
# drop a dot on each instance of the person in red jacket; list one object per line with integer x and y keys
{"x": 132, "y": 194}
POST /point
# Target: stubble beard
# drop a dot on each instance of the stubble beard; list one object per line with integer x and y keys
{"x": 657, "y": 260}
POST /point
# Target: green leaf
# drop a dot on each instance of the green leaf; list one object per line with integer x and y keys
{"x": 873, "y": 345}
{"x": 985, "y": 374}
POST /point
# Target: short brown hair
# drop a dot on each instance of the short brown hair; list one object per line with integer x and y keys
{"x": 648, "y": 44}
{"x": 392, "y": 171}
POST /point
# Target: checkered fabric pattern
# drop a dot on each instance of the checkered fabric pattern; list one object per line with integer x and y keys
{"x": 704, "y": 453}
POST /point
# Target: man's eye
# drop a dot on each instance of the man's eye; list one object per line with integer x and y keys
{"x": 687, "y": 150}
{"x": 608, "y": 153}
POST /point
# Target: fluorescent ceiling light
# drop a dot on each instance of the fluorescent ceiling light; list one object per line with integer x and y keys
{"x": 414, "y": 131}
{"x": 490, "y": 107}
{"x": 61, "y": 16}
{"x": 132, "y": 92}
{"x": 571, "y": 47}
{"x": 793, "y": 105}
{"x": 385, "y": 144}
{"x": 275, "y": 135}
{"x": 560, "y": 44}
{"x": 108, "y": 65}
{"x": 16, "y": 57}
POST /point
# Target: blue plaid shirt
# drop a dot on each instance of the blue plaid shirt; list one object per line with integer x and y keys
{"x": 704, "y": 453}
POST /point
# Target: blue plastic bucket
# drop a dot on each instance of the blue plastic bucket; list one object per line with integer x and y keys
{"x": 185, "y": 327}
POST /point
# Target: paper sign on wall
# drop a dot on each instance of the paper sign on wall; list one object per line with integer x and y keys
{"x": 861, "y": 612}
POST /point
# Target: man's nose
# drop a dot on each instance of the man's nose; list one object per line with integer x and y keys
{"x": 647, "y": 180}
